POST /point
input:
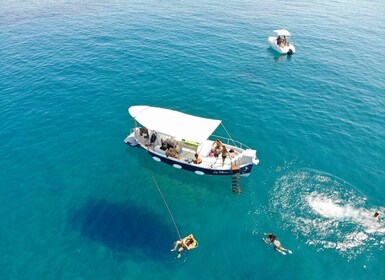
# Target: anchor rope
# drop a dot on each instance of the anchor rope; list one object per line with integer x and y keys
{"x": 228, "y": 134}
{"x": 168, "y": 208}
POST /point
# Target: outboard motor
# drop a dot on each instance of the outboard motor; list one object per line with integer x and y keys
{"x": 290, "y": 52}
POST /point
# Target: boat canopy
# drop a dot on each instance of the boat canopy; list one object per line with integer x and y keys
{"x": 282, "y": 32}
{"x": 174, "y": 123}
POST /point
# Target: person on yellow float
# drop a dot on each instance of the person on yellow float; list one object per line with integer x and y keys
{"x": 187, "y": 243}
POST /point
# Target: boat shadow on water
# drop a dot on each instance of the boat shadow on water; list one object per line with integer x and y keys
{"x": 124, "y": 228}
{"x": 276, "y": 57}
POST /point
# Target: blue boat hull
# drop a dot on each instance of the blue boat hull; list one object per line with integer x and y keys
{"x": 244, "y": 170}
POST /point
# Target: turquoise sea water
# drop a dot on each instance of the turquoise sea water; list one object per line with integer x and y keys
{"x": 77, "y": 203}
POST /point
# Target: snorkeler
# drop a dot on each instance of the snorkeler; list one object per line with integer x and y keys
{"x": 272, "y": 239}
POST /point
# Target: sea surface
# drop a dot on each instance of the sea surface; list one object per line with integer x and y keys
{"x": 77, "y": 203}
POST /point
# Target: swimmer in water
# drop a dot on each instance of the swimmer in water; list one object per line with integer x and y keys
{"x": 186, "y": 243}
{"x": 272, "y": 239}
{"x": 377, "y": 216}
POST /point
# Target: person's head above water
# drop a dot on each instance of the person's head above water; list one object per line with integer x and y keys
{"x": 271, "y": 236}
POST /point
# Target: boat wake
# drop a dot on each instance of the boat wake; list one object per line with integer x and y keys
{"x": 327, "y": 212}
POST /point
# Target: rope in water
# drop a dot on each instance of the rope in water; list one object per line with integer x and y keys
{"x": 168, "y": 208}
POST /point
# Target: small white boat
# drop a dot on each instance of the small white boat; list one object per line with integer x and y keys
{"x": 178, "y": 139}
{"x": 280, "y": 42}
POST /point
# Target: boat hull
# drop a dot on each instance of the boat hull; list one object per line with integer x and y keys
{"x": 244, "y": 170}
{"x": 290, "y": 49}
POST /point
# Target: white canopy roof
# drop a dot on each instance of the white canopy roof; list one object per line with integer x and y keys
{"x": 174, "y": 123}
{"x": 282, "y": 32}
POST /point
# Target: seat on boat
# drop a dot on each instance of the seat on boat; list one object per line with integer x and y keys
{"x": 205, "y": 147}
{"x": 158, "y": 149}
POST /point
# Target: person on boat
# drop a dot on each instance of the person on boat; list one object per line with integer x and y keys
{"x": 163, "y": 145}
{"x": 279, "y": 40}
{"x": 197, "y": 159}
{"x": 143, "y": 132}
{"x": 272, "y": 239}
{"x": 232, "y": 153}
{"x": 186, "y": 243}
{"x": 284, "y": 41}
{"x": 225, "y": 153}
{"x": 217, "y": 147}
{"x": 169, "y": 143}
{"x": 171, "y": 152}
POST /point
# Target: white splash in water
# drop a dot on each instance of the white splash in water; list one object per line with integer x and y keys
{"x": 327, "y": 212}
{"x": 337, "y": 210}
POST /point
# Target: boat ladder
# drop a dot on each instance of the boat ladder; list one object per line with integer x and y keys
{"x": 235, "y": 179}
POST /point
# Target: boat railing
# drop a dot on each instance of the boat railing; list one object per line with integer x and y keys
{"x": 229, "y": 141}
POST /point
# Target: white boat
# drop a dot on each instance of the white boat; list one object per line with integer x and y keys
{"x": 176, "y": 138}
{"x": 281, "y": 43}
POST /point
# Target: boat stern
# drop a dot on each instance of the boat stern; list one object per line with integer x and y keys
{"x": 131, "y": 140}
{"x": 290, "y": 49}
{"x": 249, "y": 156}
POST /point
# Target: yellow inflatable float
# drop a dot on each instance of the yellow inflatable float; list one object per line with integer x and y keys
{"x": 187, "y": 243}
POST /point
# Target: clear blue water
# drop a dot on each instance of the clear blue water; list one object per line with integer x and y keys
{"x": 76, "y": 203}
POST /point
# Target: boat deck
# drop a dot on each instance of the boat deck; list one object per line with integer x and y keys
{"x": 186, "y": 152}
{"x": 208, "y": 161}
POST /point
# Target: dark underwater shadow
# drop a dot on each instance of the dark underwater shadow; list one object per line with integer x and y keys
{"x": 124, "y": 228}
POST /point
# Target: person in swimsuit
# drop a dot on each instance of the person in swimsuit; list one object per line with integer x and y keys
{"x": 171, "y": 152}
{"x": 186, "y": 243}
{"x": 285, "y": 42}
{"x": 217, "y": 147}
{"x": 279, "y": 41}
{"x": 224, "y": 154}
{"x": 197, "y": 159}
{"x": 272, "y": 239}
{"x": 377, "y": 216}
